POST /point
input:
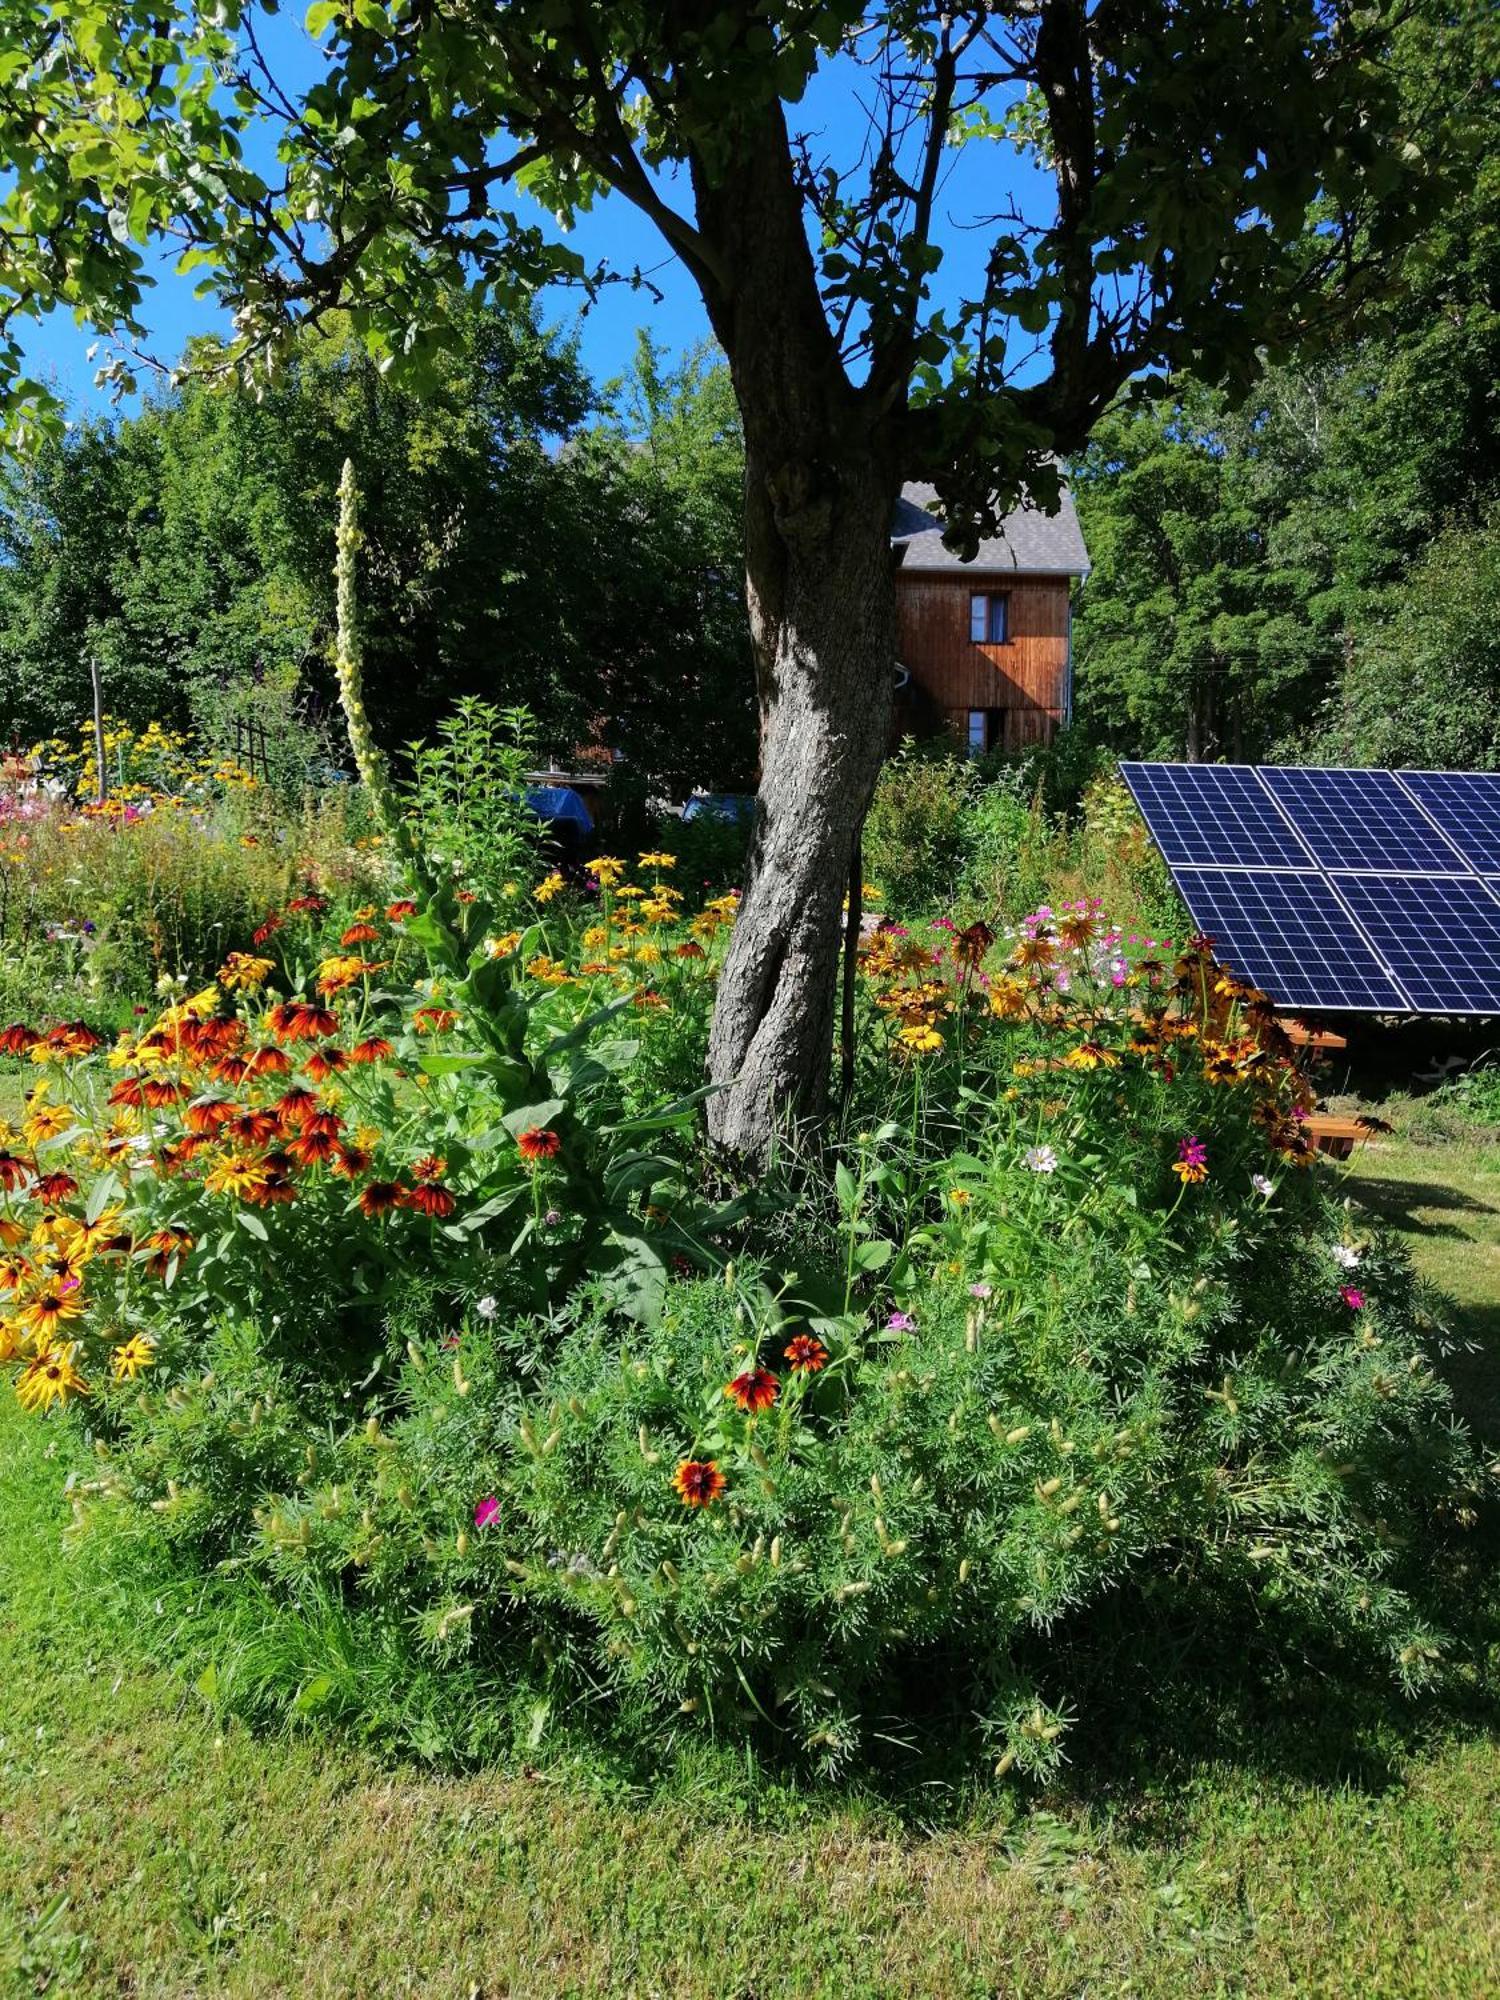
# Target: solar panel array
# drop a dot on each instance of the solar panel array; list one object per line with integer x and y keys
{"x": 1341, "y": 890}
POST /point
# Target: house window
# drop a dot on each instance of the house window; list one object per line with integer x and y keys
{"x": 989, "y": 618}
{"x": 978, "y": 732}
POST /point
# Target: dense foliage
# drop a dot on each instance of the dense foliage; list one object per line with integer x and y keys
{"x": 1313, "y": 571}
{"x": 185, "y": 549}
{"x": 408, "y": 1299}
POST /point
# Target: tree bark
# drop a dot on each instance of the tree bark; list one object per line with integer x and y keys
{"x": 823, "y": 613}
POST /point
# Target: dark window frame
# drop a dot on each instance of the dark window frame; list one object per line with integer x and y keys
{"x": 995, "y": 618}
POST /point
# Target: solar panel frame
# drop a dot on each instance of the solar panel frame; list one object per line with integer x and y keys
{"x": 1361, "y": 821}
{"x": 1423, "y": 940}
{"x": 1215, "y": 815}
{"x": 1288, "y": 932}
{"x": 1467, "y": 806}
{"x": 1411, "y": 920}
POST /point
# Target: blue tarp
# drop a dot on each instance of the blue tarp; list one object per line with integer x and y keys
{"x": 560, "y": 802}
{"x": 732, "y": 806}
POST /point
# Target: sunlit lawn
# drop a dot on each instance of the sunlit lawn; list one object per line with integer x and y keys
{"x": 1439, "y": 1184}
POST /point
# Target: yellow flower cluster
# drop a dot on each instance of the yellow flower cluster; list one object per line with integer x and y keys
{"x": 153, "y": 768}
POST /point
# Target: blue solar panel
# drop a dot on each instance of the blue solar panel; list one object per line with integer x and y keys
{"x": 1362, "y": 819}
{"x": 1213, "y": 813}
{"x": 1467, "y": 806}
{"x": 1289, "y": 933}
{"x": 1439, "y": 935}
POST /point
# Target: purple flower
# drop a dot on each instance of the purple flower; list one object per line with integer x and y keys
{"x": 1352, "y": 1296}
{"x": 487, "y": 1511}
{"x": 900, "y": 1323}
{"x": 980, "y": 1291}
{"x": 1192, "y": 1152}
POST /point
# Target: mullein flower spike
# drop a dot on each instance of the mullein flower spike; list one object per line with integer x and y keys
{"x": 349, "y": 665}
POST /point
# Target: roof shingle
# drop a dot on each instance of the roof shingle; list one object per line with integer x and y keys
{"x": 1030, "y": 541}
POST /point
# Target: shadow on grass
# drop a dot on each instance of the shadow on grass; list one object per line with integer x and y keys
{"x": 1398, "y": 1202}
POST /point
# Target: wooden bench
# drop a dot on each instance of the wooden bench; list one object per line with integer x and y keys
{"x": 1322, "y": 1039}
{"x": 1338, "y": 1135}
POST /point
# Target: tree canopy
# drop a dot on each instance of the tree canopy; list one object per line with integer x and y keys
{"x": 1215, "y": 186}
{"x": 1311, "y": 572}
{"x": 1184, "y": 144}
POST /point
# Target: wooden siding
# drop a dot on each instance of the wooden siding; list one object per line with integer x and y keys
{"x": 1025, "y": 679}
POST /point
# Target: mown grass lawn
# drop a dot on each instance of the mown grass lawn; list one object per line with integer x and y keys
{"x": 1437, "y": 1180}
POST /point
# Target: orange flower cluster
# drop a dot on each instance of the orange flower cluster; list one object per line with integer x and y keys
{"x": 1064, "y": 979}
{"x": 223, "y": 1098}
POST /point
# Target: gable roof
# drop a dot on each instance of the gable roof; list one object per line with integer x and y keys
{"x": 1030, "y": 541}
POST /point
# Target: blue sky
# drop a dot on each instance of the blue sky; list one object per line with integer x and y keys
{"x": 979, "y": 181}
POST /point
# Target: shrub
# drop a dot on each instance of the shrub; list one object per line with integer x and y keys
{"x": 466, "y": 803}
{"x": 1075, "y": 1312}
{"x": 914, "y": 837}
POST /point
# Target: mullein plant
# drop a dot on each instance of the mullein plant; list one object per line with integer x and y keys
{"x": 449, "y": 924}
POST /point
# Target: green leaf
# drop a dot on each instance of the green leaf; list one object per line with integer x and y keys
{"x": 579, "y": 1033}
{"x": 449, "y": 1063}
{"x": 526, "y": 1115}
{"x": 105, "y": 1190}
{"x": 636, "y": 1279}
{"x": 666, "y": 1115}
{"x": 251, "y": 1223}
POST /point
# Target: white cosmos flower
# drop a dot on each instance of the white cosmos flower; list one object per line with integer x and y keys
{"x": 1041, "y": 1159}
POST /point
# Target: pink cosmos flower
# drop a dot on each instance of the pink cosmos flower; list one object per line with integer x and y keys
{"x": 1352, "y": 1296}
{"x": 487, "y": 1511}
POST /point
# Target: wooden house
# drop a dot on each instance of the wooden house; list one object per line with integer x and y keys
{"x": 986, "y": 646}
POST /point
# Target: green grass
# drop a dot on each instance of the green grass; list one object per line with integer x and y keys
{"x": 1436, "y": 1178}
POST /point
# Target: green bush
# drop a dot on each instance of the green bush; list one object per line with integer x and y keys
{"x": 915, "y": 833}
{"x": 627, "y": 1448}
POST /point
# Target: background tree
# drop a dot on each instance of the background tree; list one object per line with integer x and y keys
{"x": 1191, "y": 638}
{"x": 527, "y": 539}
{"x": 1183, "y": 144}
{"x": 1309, "y": 572}
{"x": 659, "y": 547}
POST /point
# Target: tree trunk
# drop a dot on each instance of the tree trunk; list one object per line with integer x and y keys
{"x": 821, "y": 476}
{"x": 823, "y": 615}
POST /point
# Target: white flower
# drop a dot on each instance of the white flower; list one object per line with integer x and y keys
{"x": 488, "y": 1306}
{"x": 1262, "y": 1185}
{"x": 1345, "y": 1258}
{"x": 1041, "y": 1159}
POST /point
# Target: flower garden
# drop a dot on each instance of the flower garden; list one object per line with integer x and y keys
{"x": 385, "y": 1271}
